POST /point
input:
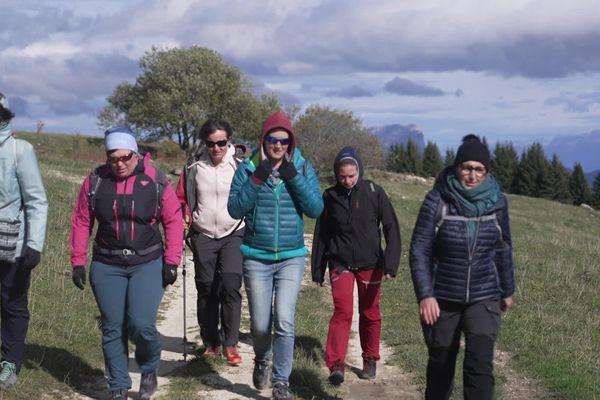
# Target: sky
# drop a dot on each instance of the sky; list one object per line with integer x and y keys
{"x": 519, "y": 70}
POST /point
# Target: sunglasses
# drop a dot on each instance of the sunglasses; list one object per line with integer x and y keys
{"x": 272, "y": 140}
{"x": 467, "y": 170}
{"x": 211, "y": 144}
{"x": 125, "y": 158}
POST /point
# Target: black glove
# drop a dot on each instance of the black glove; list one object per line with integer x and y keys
{"x": 169, "y": 274}
{"x": 78, "y": 276}
{"x": 287, "y": 170}
{"x": 263, "y": 171}
{"x": 31, "y": 258}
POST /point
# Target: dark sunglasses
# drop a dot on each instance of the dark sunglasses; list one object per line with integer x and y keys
{"x": 125, "y": 158}
{"x": 272, "y": 140}
{"x": 211, "y": 144}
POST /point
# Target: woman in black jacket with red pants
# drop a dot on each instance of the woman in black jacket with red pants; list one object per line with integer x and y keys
{"x": 348, "y": 239}
{"x": 462, "y": 271}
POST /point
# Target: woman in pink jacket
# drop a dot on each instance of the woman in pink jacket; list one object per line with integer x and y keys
{"x": 130, "y": 264}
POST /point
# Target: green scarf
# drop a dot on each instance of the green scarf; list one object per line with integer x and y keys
{"x": 474, "y": 202}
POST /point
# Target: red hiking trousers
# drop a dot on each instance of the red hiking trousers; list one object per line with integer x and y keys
{"x": 369, "y": 291}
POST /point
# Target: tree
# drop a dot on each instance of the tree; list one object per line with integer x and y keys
{"x": 432, "y": 161}
{"x": 559, "y": 177}
{"x": 533, "y": 174}
{"x": 397, "y": 160}
{"x": 450, "y": 156}
{"x": 413, "y": 158}
{"x": 323, "y": 131}
{"x": 578, "y": 186}
{"x": 596, "y": 192}
{"x": 178, "y": 89}
{"x": 504, "y": 165}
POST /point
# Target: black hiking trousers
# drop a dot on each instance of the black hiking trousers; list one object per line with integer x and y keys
{"x": 480, "y": 324}
{"x": 218, "y": 278}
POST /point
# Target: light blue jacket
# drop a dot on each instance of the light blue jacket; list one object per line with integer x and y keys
{"x": 22, "y": 193}
{"x": 273, "y": 212}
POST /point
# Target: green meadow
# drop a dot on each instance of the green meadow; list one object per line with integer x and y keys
{"x": 552, "y": 334}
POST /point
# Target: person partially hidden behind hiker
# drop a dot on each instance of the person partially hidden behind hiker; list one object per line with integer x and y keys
{"x": 24, "y": 210}
{"x": 130, "y": 268}
{"x": 215, "y": 239}
{"x": 348, "y": 238}
{"x": 462, "y": 271}
{"x": 272, "y": 190}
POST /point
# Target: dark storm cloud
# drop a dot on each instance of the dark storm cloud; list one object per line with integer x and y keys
{"x": 405, "y": 87}
{"x": 349, "y": 92}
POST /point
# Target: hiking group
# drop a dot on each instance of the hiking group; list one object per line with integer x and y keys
{"x": 242, "y": 217}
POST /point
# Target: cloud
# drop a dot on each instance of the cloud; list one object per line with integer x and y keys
{"x": 349, "y": 92}
{"x": 19, "y": 106}
{"x": 577, "y": 103}
{"x": 405, "y": 87}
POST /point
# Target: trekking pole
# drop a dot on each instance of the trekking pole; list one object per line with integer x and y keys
{"x": 184, "y": 299}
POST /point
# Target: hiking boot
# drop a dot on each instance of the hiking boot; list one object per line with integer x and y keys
{"x": 232, "y": 355}
{"x": 260, "y": 375}
{"x": 281, "y": 391}
{"x": 8, "y": 375}
{"x": 211, "y": 352}
{"x": 369, "y": 368}
{"x": 148, "y": 385}
{"x": 336, "y": 377}
{"x": 120, "y": 394}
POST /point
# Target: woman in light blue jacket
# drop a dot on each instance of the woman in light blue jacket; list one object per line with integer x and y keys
{"x": 23, "y": 213}
{"x": 272, "y": 190}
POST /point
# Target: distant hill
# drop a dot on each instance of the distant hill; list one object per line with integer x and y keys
{"x": 584, "y": 149}
{"x": 396, "y": 133}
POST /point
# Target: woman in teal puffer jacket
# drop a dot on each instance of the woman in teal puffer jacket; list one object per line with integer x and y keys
{"x": 272, "y": 190}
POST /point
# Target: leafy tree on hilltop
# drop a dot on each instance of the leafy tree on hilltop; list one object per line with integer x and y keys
{"x": 432, "y": 161}
{"x": 559, "y": 177}
{"x": 578, "y": 186}
{"x": 596, "y": 192}
{"x": 504, "y": 165}
{"x": 323, "y": 131}
{"x": 178, "y": 89}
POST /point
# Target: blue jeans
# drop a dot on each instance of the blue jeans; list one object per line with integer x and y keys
{"x": 272, "y": 288}
{"x": 128, "y": 299}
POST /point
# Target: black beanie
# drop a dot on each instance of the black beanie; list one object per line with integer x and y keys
{"x": 472, "y": 149}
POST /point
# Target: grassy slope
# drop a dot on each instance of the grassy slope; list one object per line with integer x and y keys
{"x": 553, "y": 332}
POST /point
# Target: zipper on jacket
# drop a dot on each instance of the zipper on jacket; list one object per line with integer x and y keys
{"x": 116, "y": 218}
{"x": 471, "y": 250}
{"x": 132, "y": 220}
{"x": 276, "y": 222}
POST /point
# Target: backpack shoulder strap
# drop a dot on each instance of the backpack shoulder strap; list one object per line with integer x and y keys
{"x": 161, "y": 183}
{"x": 95, "y": 180}
{"x": 440, "y": 214}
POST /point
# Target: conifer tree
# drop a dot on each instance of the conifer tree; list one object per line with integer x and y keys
{"x": 578, "y": 186}
{"x": 450, "y": 156}
{"x": 533, "y": 174}
{"x": 559, "y": 177}
{"x": 504, "y": 165}
{"x": 397, "y": 161}
{"x": 413, "y": 158}
{"x": 596, "y": 192}
{"x": 432, "y": 161}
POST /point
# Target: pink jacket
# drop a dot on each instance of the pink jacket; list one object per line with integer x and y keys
{"x": 82, "y": 218}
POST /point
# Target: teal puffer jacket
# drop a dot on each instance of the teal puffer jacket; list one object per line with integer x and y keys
{"x": 273, "y": 212}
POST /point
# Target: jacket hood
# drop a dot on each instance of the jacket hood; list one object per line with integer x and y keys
{"x": 274, "y": 121}
{"x": 5, "y": 134}
{"x": 349, "y": 153}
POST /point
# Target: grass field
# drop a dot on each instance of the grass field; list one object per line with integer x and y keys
{"x": 553, "y": 332}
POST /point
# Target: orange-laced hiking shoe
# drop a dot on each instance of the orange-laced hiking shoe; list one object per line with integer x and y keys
{"x": 211, "y": 352}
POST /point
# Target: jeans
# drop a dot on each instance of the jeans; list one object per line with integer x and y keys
{"x": 480, "y": 323}
{"x": 14, "y": 280}
{"x": 272, "y": 288}
{"x": 369, "y": 322}
{"x": 128, "y": 299}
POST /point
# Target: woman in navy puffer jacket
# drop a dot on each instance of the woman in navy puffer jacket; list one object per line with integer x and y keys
{"x": 462, "y": 271}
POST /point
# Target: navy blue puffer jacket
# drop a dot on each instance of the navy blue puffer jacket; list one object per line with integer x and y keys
{"x": 446, "y": 267}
